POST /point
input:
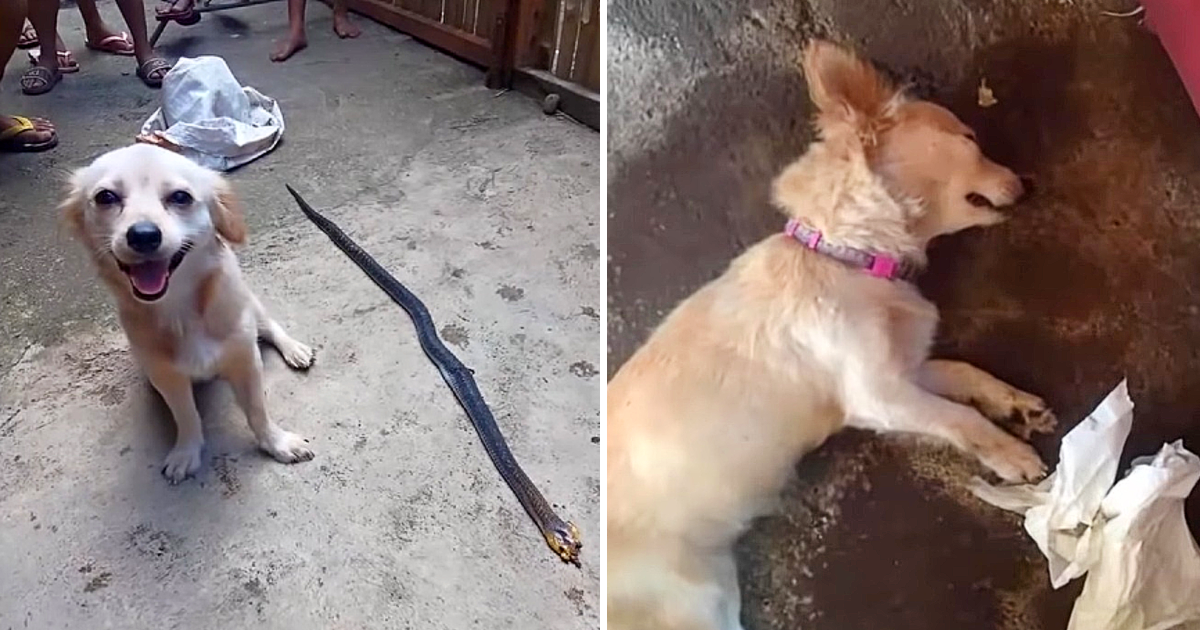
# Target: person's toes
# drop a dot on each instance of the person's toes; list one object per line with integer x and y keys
{"x": 345, "y": 28}
{"x": 287, "y": 48}
{"x": 174, "y": 7}
{"x": 43, "y": 130}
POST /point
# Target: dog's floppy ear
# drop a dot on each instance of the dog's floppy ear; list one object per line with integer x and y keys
{"x": 227, "y": 213}
{"x": 72, "y": 206}
{"x": 850, "y": 94}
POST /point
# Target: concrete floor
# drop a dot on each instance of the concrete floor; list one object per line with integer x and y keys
{"x": 1094, "y": 278}
{"x": 482, "y": 205}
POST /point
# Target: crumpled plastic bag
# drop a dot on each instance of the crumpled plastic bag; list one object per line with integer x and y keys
{"x": 1131, "y": 538}
{"x": 213, "y": 120}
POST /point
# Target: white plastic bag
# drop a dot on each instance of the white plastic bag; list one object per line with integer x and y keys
{"x": 215, "y": 121}
{"x": 1131, "y": 539}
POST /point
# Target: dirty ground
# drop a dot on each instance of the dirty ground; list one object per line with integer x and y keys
{"x": 1093, "y": 279}
{"x": 482, "y": 205}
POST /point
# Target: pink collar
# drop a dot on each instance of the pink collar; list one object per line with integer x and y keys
{"x": 877, "y": 265}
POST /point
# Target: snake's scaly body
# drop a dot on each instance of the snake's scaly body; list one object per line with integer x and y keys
{"x": 562, "y": 536}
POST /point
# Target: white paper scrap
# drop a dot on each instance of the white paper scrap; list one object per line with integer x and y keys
{"x": 1131, "y": 539}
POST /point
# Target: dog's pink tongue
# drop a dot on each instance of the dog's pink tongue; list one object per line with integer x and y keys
{"x": 149, "y": 278}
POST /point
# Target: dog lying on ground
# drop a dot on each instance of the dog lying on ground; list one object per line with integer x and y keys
{"x": 807, "y": 332}
{"x": 160, "y": 230}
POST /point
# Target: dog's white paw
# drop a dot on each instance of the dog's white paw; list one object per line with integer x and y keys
{"x": 182, "y": 462}
{"x": 1013, "y": 461}
{"x": 1031, "y": 415}
{"x": 297, "y": 355}
{"x": 287, "y": 447}
{"x": 1021, "y": 412}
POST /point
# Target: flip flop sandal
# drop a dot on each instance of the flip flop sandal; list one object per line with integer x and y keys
{"x": 188, "y": 20}
{"x": 153, "y": 70}
{"x": 10, "y": 141}
{"x": 176, "y": 14}
{"x": 39, "y": 80}
{"x": 113, "y": 45}
{"x": 28, "y": 37}
{"x": 66, "y": 61}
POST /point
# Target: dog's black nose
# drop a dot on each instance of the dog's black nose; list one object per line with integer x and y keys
{"x": 1028, "y": 184}
{"x": 143, "y": 237}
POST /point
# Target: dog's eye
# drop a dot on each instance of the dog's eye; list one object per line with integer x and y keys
{"x": 970, "y": 136}
{"x": 106, "y": 198}
{"x": 180, "y": 198}
{"x": 979, "y": 201}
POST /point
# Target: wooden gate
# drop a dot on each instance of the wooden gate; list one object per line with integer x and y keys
{"x": 555, "y": 49}
{"x": 466, "y": 28}
{"x": 541, "y": 47}
{"x": 561, "y": 37}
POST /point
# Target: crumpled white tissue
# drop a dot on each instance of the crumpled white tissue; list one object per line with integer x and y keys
{"x": 215, "y": 121}
{"x": 1131, "y": 539}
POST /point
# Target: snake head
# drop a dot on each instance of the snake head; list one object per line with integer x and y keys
{"x": 565, "y": 542}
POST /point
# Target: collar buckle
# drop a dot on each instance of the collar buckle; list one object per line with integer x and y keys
{"x": 883, "y": 267}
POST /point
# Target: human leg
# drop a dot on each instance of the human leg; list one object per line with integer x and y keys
{"x": 99, "y": 35}
{"x": 296, "y": 40}
{"x": 150, "y": 68}
{"x": 42, "y": 78}
{"x": 341, "y": 21}
{"x": 18, "y": 133}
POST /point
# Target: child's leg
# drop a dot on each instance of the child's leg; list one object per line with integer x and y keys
{"x": 341, "y": 21}
{"x": 296, "y": 40}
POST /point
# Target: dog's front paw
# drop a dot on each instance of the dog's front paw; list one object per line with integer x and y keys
{"x": 298, "y": 355}
{"x": 287, "y": 447}
{"x": 1020, "y": 412}
{"x": 1030, "y": 415}
{"x": 182, "y": 462}
{"x": 1013, "y": 461}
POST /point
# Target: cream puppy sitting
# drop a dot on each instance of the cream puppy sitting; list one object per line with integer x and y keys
{"x": 160, "y": 230}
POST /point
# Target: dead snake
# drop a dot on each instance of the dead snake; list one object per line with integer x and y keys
{"x": 562, "y": 536}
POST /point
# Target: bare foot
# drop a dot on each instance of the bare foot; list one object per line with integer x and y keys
{"x": 171, "y": 9}
{"x": 102, "y": 38}
{"x": 36, "y": 134}
{"x": 288, "y": 47}
{"x": 344, "y": 27}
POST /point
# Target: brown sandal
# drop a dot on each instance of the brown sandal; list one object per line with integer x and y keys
{"x": 113, "y": 45}
{"x": 152, "y": 71}
{"x": 173, "y": 11}
{"x": 39, "y": 80}
{"x": 67, "y": 64}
